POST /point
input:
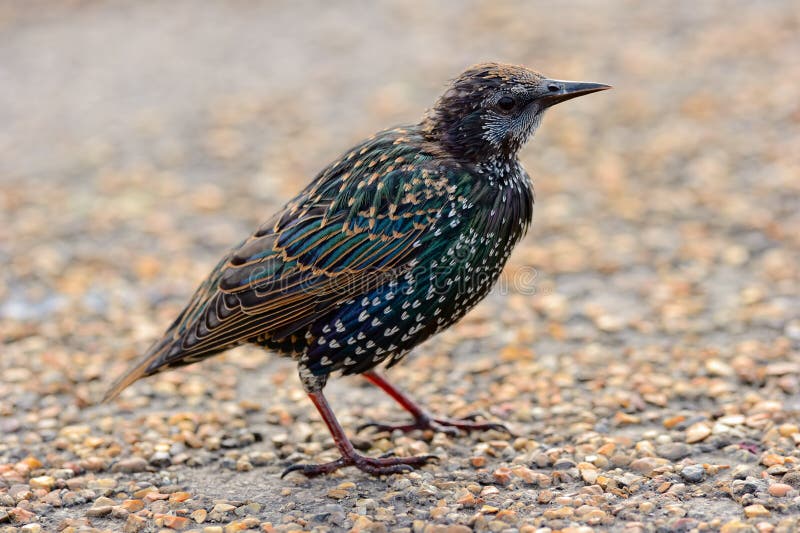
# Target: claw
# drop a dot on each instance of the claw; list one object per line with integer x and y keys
{"x": 312, "y": 470}
{"x": 467, "y": 424}
{"x": 375, "y": 425}
{"x": 472, "y": 417}
{"x": 441, "y": 425}
{"x": 491, "y": 425}
{"x": 376, "y": 466}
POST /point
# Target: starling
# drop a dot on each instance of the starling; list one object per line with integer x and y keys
{"x": 388, "y": 245}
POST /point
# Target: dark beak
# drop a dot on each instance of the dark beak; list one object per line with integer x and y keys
{"x": 560, "y": 90}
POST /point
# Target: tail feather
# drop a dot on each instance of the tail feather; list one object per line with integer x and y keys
{"x": 147, "y": 366}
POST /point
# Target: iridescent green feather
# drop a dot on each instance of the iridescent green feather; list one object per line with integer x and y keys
{"x": 355, "y": 222}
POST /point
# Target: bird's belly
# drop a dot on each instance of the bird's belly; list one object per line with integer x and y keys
{"x": 394, "y": 318}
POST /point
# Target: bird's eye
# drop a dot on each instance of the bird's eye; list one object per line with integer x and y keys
{"x": 506, "y": 104}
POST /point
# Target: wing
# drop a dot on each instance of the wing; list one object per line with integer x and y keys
{"x": 356, "y": 226}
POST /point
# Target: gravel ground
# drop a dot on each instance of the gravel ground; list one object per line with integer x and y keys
{"x": 643, "y": 344}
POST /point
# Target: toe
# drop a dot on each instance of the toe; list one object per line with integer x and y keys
{"x": 312, "y": 470}
{"x": 447, "y": 429}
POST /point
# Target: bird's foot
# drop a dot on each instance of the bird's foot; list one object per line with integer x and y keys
{"x": 440, "y": 425}
{"x": 380, "y": 466}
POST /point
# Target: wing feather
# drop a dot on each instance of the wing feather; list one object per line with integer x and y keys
{"x": 353, "y": 228}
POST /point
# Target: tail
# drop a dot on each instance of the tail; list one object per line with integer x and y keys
{"x": 150, "y": 364}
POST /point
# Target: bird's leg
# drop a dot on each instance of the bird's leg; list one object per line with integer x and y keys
{"x": 374, "y": 466}
{"x": 422, "y": 419}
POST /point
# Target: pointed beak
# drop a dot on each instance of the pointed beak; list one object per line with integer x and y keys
{"x": 561, "y": 91}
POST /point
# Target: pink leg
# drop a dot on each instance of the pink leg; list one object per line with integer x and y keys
{"x": 379, "y": 466}
{"x": 422, "y": 419}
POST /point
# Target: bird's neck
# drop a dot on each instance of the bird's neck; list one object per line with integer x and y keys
{"x": 500, "y": 169}
{"x": 498, "y": 163}
{"x": 467, "y": 143}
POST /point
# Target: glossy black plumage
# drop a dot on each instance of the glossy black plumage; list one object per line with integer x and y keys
{"x": 393, "y": 242}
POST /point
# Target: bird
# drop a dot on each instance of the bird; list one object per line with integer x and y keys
{"x": 391, "y": 243}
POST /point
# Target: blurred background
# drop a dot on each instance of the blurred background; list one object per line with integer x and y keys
{"x": 140, "y": 140}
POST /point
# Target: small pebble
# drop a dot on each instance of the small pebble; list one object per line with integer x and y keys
{"x": 755, "y": 511}
{"x": 132, "y": 464}
{"x": 697, "y": 432}
{"x": 693, "y": 473}
{"x": 779, "y": 490}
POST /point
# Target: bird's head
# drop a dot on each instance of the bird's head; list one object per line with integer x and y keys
{"x": 492, "y": 109}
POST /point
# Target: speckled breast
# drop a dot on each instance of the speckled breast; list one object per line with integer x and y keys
{"x": 460, "y": 261}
